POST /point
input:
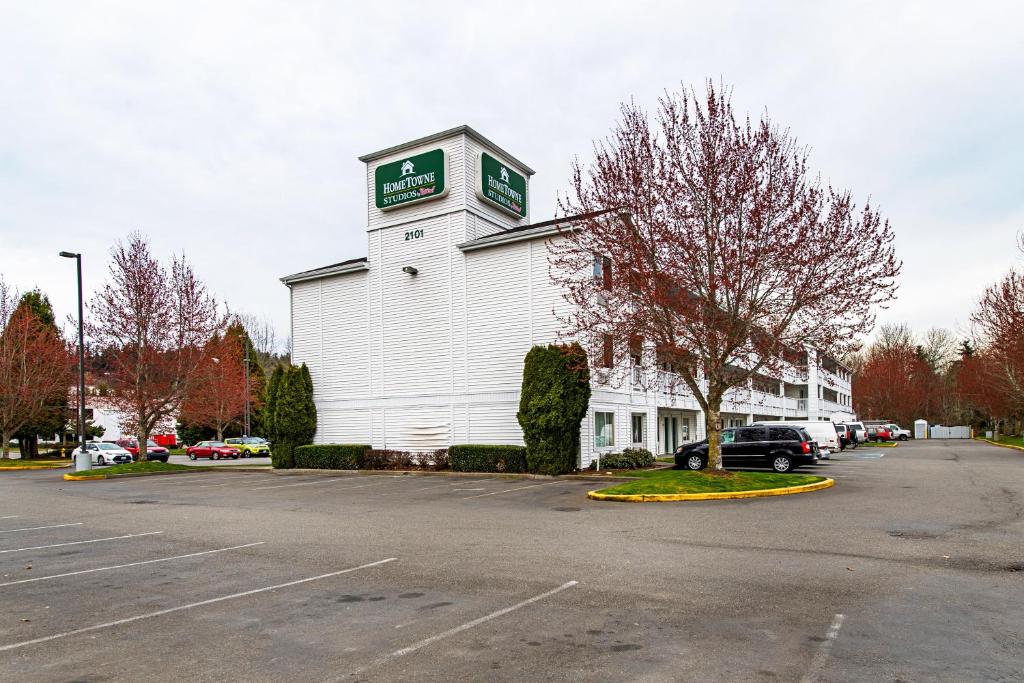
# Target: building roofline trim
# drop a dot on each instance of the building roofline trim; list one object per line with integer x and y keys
{"x": 350, "y": 266}
{"x": 518, "y": 236}
{"x": 464, "y": 129}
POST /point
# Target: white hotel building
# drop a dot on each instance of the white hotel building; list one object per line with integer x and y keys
{"x": 420, "y": 343}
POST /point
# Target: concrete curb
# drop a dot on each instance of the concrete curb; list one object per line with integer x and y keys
{"x": 447, "y": 473}
{"x": 722, "y": 495}
{"x": 22, "y": 468}
{"x": 1001, "y": 445}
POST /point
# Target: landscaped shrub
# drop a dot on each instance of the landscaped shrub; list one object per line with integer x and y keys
{"x": 385, "y": 459}
{"x": 628, "y": 459}
{"x": 331, "y": 456}
{"x": 439, "y": 459}
{"x": 294, "y": 415}
{"x": 553, "y": 402}
{"x": 486, "y": 458}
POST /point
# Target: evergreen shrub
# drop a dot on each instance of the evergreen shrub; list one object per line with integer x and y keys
{"x": 487, "y": 458}
{"x": 330, "y": 456}
{"x": 553, "y": 403}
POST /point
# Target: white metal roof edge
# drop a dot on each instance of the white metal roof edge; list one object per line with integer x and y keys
{"x": 325, "y": 272}
{"x": 518, "y": 236}
{"x": 467, "y": 130}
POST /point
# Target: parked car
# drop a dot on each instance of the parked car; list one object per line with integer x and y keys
{"x": 102, "y": 453}
{"x": 250, "y": 446}
{"x": 781, "y": 447}
{"x": 214, "y": 450}
{"x": 153, "y": 451}
{"x": 823, "y": 433}
{"x": 879, "y": 433}
{"x": 898, "y": 433}
{"x": 845, "y": 435}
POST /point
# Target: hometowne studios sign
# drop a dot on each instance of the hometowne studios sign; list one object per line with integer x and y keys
{"x": 500, "y": 186}
{"x": 417, "y": 178}
{"x": 422, "y": 177}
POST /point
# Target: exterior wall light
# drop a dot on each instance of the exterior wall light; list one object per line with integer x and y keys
{"x": 410, "y": 270}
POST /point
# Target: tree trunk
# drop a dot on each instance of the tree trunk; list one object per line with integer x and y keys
{"x": 220, "y": 433}
{"x": 712, "y": 419}
{"x": 5, "y": 447}
{"x": 143, "y": 438}
{"x": 995, "y": 429}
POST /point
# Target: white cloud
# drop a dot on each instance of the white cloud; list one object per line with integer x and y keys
{"x": 231, "y": 130}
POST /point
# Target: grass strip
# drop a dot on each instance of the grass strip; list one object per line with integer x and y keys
{"x": 140, "y": 468}
{"x": 685, "y": 481}
{"x": 7, "y": 462}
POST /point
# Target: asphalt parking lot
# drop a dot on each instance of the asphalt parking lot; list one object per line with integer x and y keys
{"x": 910, "y": 568}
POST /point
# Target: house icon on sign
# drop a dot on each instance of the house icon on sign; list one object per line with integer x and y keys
{"x": 407, "y": 168}
{"x": 504, "y": 175}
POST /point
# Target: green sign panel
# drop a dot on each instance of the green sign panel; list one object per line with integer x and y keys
{"x": 501, "y": 186}
{"x": 418, "y": 178}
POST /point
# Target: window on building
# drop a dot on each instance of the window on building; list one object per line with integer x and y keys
{"x": 604, "y": 430}
{"x": 638, "y": 429}
{"x": 607, "y": 351}
{"x": 603, "y": 271}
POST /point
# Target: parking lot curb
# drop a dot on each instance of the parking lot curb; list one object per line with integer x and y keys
{"x": 126, "y": 475}
{"x": 1001, "y": 445}
{"x": 721, "y": 495}
{"x": 21, "y": 468}
{"x": 446, "y": 473}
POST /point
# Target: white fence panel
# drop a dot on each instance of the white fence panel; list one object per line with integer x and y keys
{"x": 950, "y": 433}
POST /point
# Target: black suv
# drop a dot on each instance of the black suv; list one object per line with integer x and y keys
{"x": 781, "y": 448}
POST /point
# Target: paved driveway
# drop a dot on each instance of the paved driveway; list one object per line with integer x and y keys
{"x": 908, "y": 569}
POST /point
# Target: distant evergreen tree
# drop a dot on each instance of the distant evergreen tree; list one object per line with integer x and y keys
{"x": 257, "y": 379}
{"x": 55, "y": 419}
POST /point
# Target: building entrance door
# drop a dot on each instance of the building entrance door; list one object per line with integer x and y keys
{"x": 671, "y": 430}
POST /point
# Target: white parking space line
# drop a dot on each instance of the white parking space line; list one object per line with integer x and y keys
{"x": 464, "y": 627}
{"x": 37, "y": 528}
{"x": 92, "y": 540}
{"x": 9, "y": 517}
{"x": 821, "y": 656}
{"x": 453, "y": 483}
{"x": 380, "y": 479}
{"x": 324, "y": 480}
{"x": 130, "y": 564}
{"x": 520, "y": 488}
{"x": 192, "y": 605}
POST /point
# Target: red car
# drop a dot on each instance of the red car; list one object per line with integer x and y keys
{"x": 153, "y": 451}
{"x": 879, "y": 433}
{"x": 212, "y": 449}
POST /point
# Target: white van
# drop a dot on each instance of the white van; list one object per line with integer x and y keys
{"x": 822, "y": 431}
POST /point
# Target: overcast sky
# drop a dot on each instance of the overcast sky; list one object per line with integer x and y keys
{"x": 231, "y": 130}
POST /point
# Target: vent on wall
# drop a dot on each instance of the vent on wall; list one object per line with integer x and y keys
{"x": 428, "y": 437}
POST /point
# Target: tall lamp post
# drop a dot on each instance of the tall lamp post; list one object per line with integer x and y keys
{"x": 247, "y": 432}
{"x": 83, "y": 461}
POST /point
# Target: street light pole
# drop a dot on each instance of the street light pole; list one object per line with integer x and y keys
{"x": 84, "y": 460}
{"x": 247, "y": 433}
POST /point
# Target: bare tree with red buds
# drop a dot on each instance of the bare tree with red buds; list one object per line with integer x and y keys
{"x": 154, "y": 323}
{"x": 718, "y": 252}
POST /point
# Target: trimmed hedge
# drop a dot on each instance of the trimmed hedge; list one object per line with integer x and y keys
{"x": 628, "y": 459}
{"x": 487, "y": 458}
{"x": 333, "y": 456}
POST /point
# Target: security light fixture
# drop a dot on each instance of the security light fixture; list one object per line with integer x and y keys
{"x": 410, "y": 270}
